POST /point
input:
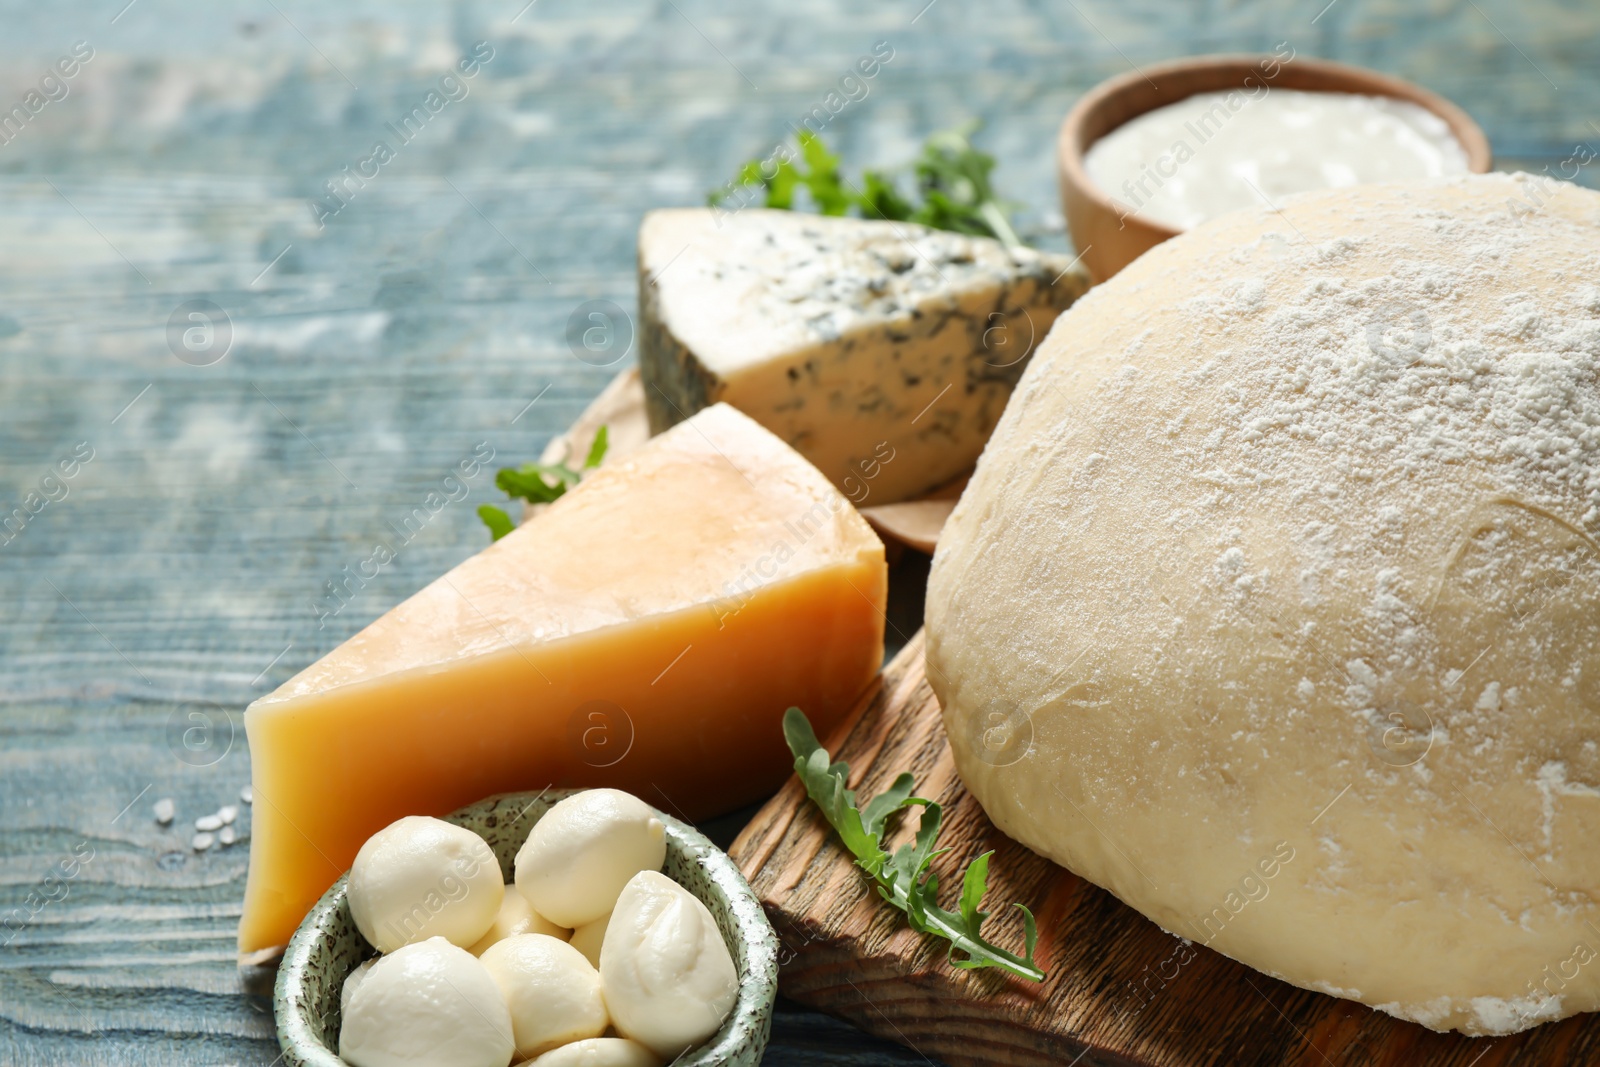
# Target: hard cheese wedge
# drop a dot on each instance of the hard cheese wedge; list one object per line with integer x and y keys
{"x": 883, "y": 352}
{"x": 646, "y": 631}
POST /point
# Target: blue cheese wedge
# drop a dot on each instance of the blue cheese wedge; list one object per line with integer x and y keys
{"x": 883, "y": 352}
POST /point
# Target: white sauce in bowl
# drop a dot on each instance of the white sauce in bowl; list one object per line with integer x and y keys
{"x": 1212, "y": 153}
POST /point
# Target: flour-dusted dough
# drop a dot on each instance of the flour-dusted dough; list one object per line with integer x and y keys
{"x": 1274, "y": 604}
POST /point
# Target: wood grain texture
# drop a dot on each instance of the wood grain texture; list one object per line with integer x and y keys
{"x": 370, "y": 354}
{"x": 1120, "y": 991}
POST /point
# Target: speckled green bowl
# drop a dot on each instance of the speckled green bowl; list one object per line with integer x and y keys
{"x": 327, "y": 947}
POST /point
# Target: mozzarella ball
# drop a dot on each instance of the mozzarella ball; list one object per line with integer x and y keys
{"x": 584, "y": 850}
{"x": 427, "y": 1003}
{"x": 348, "y": 990}
{"x": 553, "y": 993}
{"x": 588, "y": 938}
{"x": 598, "y": 1052}
{"x": 668, "y": 978}
{"x": 516, "y": 917}
{"x": 419, "y": 878}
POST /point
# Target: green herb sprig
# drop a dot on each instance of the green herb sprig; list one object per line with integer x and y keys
{"x": 903, "y": 877}
{"x": 538, "y": 483}
{"x": 951, "y": 181}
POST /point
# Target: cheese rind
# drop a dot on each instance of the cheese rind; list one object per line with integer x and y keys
{"x": 882, "y": 352}
{"x": 645, "y": 632}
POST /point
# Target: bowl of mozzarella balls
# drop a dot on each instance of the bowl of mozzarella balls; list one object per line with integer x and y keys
{"x": 569, "y": 928}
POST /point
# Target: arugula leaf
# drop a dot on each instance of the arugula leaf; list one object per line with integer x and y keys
{"x": 539, "y": 483}
{"x": 597, "y": 450}
{"x": 881, "y": 199}
{"x": 951, "y": 178}
{"x": 533, "y": 481}
{"x": 954, "y": 179}
{"x": 498, "y": 521}
{"x": 827, "y": 188}
{"x": 780, "y": 190}
{"x": 904, "y": 879}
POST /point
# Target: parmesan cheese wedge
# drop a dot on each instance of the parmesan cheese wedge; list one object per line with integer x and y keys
{"x": 645, "y": 632}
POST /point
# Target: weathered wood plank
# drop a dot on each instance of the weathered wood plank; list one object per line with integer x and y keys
{"x": 185, "y": 560}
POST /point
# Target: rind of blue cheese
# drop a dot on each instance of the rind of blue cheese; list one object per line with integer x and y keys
{"x": 883, "y": 352}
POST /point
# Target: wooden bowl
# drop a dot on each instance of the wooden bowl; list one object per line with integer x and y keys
{"x": 1110, "y": 239}
{"x": 327, "y": 946}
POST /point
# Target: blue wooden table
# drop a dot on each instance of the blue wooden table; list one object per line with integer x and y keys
{"x": 177, "y": 491}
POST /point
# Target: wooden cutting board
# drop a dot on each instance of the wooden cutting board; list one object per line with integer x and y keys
{"x": 1120, "y": 991}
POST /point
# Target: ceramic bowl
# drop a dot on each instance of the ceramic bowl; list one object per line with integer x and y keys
{"x": 327, "y": 946}
{"x": 1110, "y": 241}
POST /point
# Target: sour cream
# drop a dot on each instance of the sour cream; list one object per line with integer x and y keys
{"x": 1212, "y": 153}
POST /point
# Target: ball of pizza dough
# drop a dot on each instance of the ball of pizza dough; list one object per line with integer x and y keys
{"x": 583, "y": 851}
{"x": 420, "y": 877}
{"x": 1273, "y": 605}
{"x": 425, "y": 1003}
